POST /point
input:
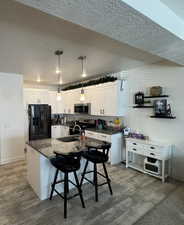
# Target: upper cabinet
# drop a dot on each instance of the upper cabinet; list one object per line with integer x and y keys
{"x": 109, "y": 99}
{"x": 35, "y": 96}
{"x": 53, "y": 101}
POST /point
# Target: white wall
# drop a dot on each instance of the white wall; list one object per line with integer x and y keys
{"x": 40, "y": 86}
{"x": 11, "y": 118}
{"x": 171, "y": 78}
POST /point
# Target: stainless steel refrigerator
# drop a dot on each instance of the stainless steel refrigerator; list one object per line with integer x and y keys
{"x": 39, "y": 121}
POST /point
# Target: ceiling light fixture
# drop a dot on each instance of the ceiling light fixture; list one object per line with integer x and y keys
{"x": 82, "y": 95}
{"x": 38, "y": 79}
{"x": 83, "y": 64}
{"x": 58, "y": 71}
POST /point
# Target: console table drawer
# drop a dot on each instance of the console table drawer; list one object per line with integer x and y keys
{"x": 134, "y": 145}
{"x": 153, "y": 154}
{"x": 153, "y": 148}
{"x": 135, "y": 149}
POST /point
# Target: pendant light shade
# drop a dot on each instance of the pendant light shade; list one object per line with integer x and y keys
{"x": 59, "y": 73}
{"x": 82, "y": 96}
{"x": 59, "y": 96}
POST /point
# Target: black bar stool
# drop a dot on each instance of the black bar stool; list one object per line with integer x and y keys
{"x": 67, "y": 164}
{"x": 97, "y": 156}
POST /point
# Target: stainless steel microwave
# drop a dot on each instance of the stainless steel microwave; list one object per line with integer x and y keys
{"x": 82, "y": 108}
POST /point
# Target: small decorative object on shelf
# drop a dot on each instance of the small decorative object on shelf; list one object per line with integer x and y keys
{"x": 139, "y": 98}
{"x": 139, "y": 101}
{"x": 162, "y": 110}
{"x": 156, "y": 91}
{"x": 160, "y": 107}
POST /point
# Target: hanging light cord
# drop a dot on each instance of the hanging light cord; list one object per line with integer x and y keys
{"x": 82, "y": 63}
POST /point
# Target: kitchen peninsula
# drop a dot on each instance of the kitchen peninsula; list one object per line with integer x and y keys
{"x": 40, "y": 172}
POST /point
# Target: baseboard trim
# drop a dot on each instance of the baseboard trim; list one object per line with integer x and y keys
{"x": 3, "y": 162}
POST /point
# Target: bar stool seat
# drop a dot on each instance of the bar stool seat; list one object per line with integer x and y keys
{"x": 95, "y": 156}
{"x": 66, "y": 164}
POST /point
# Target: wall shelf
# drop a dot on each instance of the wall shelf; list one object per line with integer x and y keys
{"x": 142, "y": 106}
{"x": 159, "y": 96}
{"x": 164, "y": 117}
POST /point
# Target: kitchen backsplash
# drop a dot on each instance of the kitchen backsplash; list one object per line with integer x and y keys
{"x": 69, "y": 117}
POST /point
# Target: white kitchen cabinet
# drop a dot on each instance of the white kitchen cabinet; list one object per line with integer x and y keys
{"x": 53, "y": 101}
{"x": 36, "y": 96}
{"x": 56, "y": 131}
{"x": 59, "y": 131}
{"x": 56, "y": 106}
{"x": 96, "y": 101}
{"x": 64, "y": 131}
{"x": 109, "y": 99}
{"x": 44, "y": 96}
{"x": 68, "y": 97}
{"x": 116, "y": 140}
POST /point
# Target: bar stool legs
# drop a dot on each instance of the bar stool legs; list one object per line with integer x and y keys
{"x": 95, "y": 178}
{"x": 65, "y": 193}
{"x": 96, "y": 182}
{"x": 54, "y": 183}
{"x": 84, "y": 172}
{"x": 107, "y": 177}
{"x": 79, "y": 189}
{"x": 66, "y": 189}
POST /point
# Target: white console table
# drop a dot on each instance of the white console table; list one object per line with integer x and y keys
{"x": 148, "y": 149}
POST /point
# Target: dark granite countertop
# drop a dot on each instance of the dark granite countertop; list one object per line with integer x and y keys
{"x": 47, "y": 147}
{"x": 108, "y": 131}
{"x": 62, "y": 124}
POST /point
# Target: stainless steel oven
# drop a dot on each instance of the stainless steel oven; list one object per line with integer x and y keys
{"x": 82, "y": 108}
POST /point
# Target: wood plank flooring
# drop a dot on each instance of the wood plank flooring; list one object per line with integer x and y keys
{"x": 136, "y": 200}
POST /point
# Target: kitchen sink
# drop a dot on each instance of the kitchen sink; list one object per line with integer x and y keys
{"x": 68, "y": 139}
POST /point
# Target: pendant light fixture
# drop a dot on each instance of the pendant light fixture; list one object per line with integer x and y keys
{"x": 83, "y": 64}
{"x": 38, "y": 79}
{"x": 82, "y": 95}
{"x": 58, "y": 53}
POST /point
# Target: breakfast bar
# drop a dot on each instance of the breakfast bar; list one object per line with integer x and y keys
{"x": 40, "y": 172}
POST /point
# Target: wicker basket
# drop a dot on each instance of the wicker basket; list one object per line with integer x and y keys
{"x": 156, "y": 91}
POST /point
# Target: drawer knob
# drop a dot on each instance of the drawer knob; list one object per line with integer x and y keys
{"x": 134, "y": 149}
{"x": 152, "y": 154}
{"x": 152, "y": 147}
{"x": 134, "y": 144}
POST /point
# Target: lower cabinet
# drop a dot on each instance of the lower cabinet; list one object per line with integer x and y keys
{"x": 40, "y": 173}
{"x": 58, "y": 131}
{"x": 116, "y": 140}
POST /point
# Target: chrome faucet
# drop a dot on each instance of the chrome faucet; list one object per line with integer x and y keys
{"x": 76, "y": 125}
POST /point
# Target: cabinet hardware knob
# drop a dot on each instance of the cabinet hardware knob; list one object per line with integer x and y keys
{"x": 152, "y": 147}
{"x": 134, "y": 144}
{"x": 134, "y": 149}
{"x": 152, "y": 154}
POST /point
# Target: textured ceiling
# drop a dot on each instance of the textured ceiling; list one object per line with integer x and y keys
{"x": 117, "y": 20}
{"x": 177, "y": 6}
{"x": 29, "y": 38}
